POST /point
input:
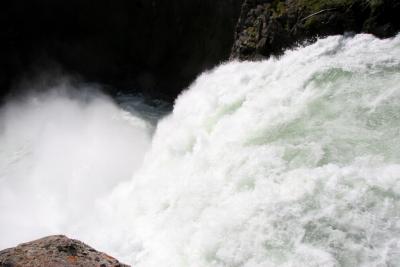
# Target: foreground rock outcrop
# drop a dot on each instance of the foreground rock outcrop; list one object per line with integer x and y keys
{"x": 56, "y": 251}
{"x": 267, "y": 27}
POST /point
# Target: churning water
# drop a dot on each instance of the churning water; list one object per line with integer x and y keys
{"x": 287, "y": 162}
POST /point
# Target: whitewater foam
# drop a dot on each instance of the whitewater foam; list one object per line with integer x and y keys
{"x": 285, "y": 162}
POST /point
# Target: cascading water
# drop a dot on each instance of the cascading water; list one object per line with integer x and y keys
{"x": 287, "y": 162}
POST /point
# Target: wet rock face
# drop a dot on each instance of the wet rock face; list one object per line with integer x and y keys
{"x": 56, "y": 251}
{"x": 156, "y": 47}
{"x": 267, "y": 27}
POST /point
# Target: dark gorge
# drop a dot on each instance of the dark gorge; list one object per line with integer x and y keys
{"x": 157, "y": 48}
{"x": 152, "y": 47}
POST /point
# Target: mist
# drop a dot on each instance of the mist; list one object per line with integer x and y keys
{"x": 62, "y": 149}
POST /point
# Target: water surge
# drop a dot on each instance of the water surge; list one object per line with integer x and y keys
{"x": 286, "y": 162}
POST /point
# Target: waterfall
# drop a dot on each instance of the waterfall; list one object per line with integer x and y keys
{"x": 291, "y": 161}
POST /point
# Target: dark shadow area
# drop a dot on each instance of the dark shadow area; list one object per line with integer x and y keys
{"x": 154, "y": 47}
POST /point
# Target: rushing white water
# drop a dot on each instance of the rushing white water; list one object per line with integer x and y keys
{"x": 287, "y": 162}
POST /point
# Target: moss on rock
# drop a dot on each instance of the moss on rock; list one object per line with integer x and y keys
{"x": 267, "y": 27}
{"x": 318, "y": 5}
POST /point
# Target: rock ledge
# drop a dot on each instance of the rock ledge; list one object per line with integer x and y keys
{"x": 56, "y": 251}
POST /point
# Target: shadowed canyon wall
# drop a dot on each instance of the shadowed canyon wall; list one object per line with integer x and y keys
{"x": 155, "y": 47}
{"x": 159, "y": 47}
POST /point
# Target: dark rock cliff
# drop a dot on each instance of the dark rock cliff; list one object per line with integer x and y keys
{"x": 267, "y": 27}
{"x": 155, "y": 47}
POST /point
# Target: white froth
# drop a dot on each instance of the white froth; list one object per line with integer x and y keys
{"x": 286, "y": 162}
